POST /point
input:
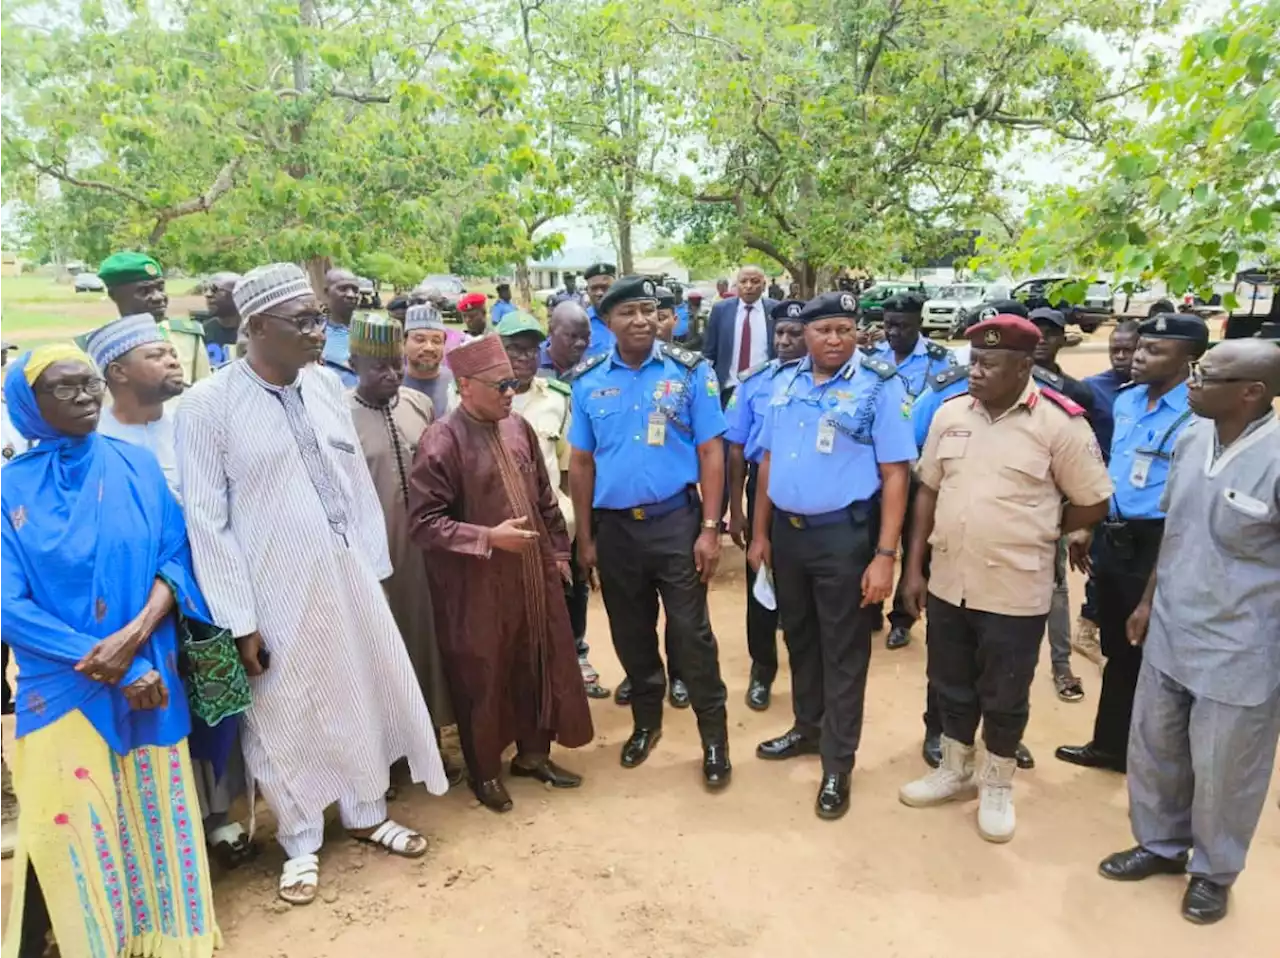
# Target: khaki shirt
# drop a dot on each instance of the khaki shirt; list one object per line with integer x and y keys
{"x": 546, "y": 407}
{"x": 187, "y": 337}
{"x": 1000, "y": 487}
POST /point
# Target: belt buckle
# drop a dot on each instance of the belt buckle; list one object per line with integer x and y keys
{"x": 638, "y": 514}
{"x": 797, "y": 522}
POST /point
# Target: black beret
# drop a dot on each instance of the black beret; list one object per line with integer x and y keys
{"x": 1047, "y": 314}
{"x": 600, "y": 269}
{"x": 911, "y": 303}
{"x": 829, "y": 306}
{"x": 787, "y": 311}
{"x": 398, "y": 303}
{"x": 1187, "y": 326}
{"x": 666, "y": 298}
{"x": 626, "y": 290}
{"x": 999, "y": 307}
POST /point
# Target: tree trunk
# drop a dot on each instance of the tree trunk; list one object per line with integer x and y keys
{"x": 523, "y": 285}
{"x": 627, "y": 264}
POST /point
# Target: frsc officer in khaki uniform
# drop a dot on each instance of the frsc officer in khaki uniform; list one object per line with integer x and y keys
{"x": 994, "y": 472}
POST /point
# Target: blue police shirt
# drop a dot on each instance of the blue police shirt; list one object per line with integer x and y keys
{"x": 916, "y": 369}
{"x": 747, "y": 407}
{"x": 1105, "y": 386}
{"x": 602, "y": 338}
{"x": 682, "y": 320}
{"x": 337, "y": 353}
{"x": 612, "y": 404}
{"x": 500, "y": 308}
{"x": 928, "y": 404}
{"x": 1140, "y": 437}
{"x": 871, "y": 426}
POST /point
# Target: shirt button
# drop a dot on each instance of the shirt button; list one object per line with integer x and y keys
{"x": 635, "y": 407}
{"x": 637, "y": 438}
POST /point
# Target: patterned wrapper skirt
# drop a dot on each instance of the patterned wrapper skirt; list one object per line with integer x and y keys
{"x": 116, "y": 844}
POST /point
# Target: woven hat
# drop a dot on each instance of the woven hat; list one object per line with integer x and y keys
{"x": 266, "y": 286}
{"x": 479, "y": 356}
{"x": 376, "y": 336}
{"x": 108, "y": 343}
{"x": 423, "y": 316}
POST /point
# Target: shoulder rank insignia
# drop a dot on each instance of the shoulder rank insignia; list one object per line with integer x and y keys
{"x": 882, "y": 368}
{"x": 754, "y": 370}
{"x": 685, "y": 357}
{"x": 940, "y": 381}
{"x": 588, "y": 364}
{"x": 1069, "y": 406}
{"x": 555, "y": 385}
{"x": 935, "y": 351}
{"x": 1046, "y": 377}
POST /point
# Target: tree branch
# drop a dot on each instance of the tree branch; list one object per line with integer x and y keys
{"x": 359, "y": 97}
{"x": 761, "y": 245}
{"x": 222, "y": 184}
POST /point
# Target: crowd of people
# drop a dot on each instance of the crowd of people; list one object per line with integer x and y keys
{"x": 278, "y": 551}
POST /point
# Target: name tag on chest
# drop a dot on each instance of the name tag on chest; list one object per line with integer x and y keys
{"x": 657, "y": 429}
{"x": 826, "y": 437}
{"x": 1140, "y": 470}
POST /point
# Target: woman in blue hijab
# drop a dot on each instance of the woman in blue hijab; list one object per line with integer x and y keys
{"x": 94, "y": 568}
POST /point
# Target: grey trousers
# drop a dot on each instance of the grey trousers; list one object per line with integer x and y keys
{"x": 1060, "y": 615}
{"x": 1198, "y": 774}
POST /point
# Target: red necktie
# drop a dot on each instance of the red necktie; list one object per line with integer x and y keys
{"x": 744, "y": 350}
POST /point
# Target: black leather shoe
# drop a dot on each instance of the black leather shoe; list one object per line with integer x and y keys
{"x": 678, "y": 694}
{"x": 637, "y": 748}
{"x": 622, "y": 694}
{"x": 492, "y": 794}
{"x": 899, "y": 638}
{"x": 1090, "y": 757}
{"x": 1135, "y": 864}
{"x": 833, "y": 796}
{"x": 1024, "y": 758}
{"x": 716, "y": 768}
{"x": 789, "y": 744}
{"x": 931, "y": 751}
{"x": 758, "y": 694}
{"x": 1205, "y": 902}
{"x": 548, "y": 772}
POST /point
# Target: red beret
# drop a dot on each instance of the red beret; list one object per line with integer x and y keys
{"x": 1004, "y": 331}
{"x": 472, "y": 300}
{"x": 694, "y": 295}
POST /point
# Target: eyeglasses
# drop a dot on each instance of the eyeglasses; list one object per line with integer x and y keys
{"x": 303, "y": 323}
{"x": 71, "y": 391}
{"x": 514, "y": 350}
{"x": 1198, "y": 378}
{"x": 501, "y": 385}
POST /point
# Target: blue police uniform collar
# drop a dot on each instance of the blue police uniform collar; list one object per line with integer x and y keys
{"x": 805, "y": 365}
{"x": 655, "y": 353}
{"x": 1175, "y": 398}
{"x": 919, "y": 350}
{"x": 544, "y": 357}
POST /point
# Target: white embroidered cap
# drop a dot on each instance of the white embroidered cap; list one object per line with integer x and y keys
{"x": 266, "y": 286}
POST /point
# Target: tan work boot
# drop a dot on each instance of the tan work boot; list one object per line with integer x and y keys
{"x": 1086, "y": 642}
{"x": 996, "y": 819}
{"x": 952, "y": 781}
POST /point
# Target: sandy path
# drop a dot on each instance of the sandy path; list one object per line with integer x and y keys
{"x": 645, "y": 863}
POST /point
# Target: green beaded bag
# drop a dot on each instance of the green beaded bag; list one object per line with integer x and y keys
{"x": 212, "y": 673}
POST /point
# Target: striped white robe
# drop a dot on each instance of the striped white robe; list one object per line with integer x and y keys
{"x": 340, "y": 702}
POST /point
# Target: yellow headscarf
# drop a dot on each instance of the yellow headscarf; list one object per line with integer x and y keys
{"x": 42, "y": 357}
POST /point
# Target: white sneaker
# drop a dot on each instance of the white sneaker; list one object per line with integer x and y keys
{"x": 952, "y": 781}
{"x": 996, "y": 818}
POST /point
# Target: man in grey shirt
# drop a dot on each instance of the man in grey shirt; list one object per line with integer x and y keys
{"x": 424, "y": 340}
{"x": 1206, "y": 717}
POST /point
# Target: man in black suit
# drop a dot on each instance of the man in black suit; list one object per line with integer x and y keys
{"x": 739, "y": 331}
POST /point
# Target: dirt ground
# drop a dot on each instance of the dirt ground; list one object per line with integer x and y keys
{"x": 644, "y": 862}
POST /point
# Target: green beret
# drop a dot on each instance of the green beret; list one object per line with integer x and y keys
{"x": 517, "y": 322}
{"x": 120, "y": 268}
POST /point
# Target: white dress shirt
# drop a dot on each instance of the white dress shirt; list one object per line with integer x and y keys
{"x": 158, "y": 436}
{"x": 759, "y": 337}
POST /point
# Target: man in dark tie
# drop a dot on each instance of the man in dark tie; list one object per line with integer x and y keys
{"x": 740, "y": 331}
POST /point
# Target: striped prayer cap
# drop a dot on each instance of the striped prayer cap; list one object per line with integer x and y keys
{"x": 266, "y": 286}
{"x": 423, "y": 316}
{"x": 108, "y": 343}
{"x": 376, "y": 336}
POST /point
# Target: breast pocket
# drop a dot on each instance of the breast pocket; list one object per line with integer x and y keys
{"x": 1022, "y": 479}
{"x": 952, "y": 457}
{"x": 603, "y": 405}
{"x": 1244, "y": 525}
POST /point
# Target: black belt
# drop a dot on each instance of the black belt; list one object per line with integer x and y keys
{"x": 859, "y": 512}
{"x": 655, "y": 510}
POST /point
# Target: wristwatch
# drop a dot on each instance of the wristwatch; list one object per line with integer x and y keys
{"x": 887, "y": 553}
{"x": 710, "y": 524}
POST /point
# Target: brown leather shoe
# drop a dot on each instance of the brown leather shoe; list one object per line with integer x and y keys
{"x": 492, "y": 794}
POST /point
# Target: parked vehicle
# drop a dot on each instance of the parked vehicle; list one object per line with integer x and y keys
{"x": 1145, "y": 300}
{"x": 449, "y": 288}
{"x": 1045, "y": 291}
{"x": 89, "y": 283}
{"x": 947, "y": 311}
{"x": 1257, "y": 312}
{"x": 871, "y": 302}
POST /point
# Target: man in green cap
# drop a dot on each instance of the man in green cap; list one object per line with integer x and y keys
{"x": 135, "y": 283}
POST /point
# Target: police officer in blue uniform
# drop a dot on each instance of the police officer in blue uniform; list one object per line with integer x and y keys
{"x": 1149, "y": 413}
{"x": 745, "y": 415}
{"x": 646, "y": 434}
{"x": 599, "y": 278}
{"x": 838, "y": 445}
{"x": 918, "y": 360}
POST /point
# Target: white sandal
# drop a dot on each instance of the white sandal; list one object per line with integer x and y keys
{"x": 396, "y": 839}
{"x": 304, "y": 871}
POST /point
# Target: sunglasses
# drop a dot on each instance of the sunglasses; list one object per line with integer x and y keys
{"x": 94, "y": 387}
{"x": 501, "y": 385}
{"x": 304, "y": 323}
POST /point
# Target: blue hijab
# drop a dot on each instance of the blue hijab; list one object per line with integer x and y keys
{"x": 88, "y": 526}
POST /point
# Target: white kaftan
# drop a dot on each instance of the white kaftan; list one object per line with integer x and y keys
{"x": 288, "y": 539}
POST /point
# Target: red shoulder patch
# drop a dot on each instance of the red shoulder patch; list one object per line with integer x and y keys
{"x": 1069, "y": 406}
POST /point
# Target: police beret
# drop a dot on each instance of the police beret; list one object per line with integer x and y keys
{"x": 121, "y": 268}
{"x": 911, "y": 303}
{"x": 1047, "y": 314}
{"x": 626, "y": 290}
{"x": 472, "y": 301}
{"x": 397, "y": 303}
{"x": 999, "y": 307}
{"x": 666, "y": 298}
{"x": 1004, "y": 332}
{"x": 1185, "y": 326}
{"x": 829, "y": 306}
{"x": 599, "y": 269}
{"x": 787, "y": 311}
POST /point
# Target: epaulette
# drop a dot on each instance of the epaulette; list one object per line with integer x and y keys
{"x": 561, "y": 387}
{"x": 882, "y": 368}
{"x": 185, "y": 326}
{"x": 934, "y": 351}
{"x": 963, "y": 395}
{"x": 945, "y": 378}
{"x": 1047, "y": 377}
{"x": 757, "y": 368}
{"x": 685, "y": 357}
{"x": 588, "y": 364}
{"x": 1069, "y": 406}
{"x": 1123, "y": 386}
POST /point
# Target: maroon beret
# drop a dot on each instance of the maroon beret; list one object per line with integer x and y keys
{"x": 1004, "y": 331}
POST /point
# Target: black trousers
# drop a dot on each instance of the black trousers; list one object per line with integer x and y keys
{"x": 980, "y": 667}
{"x": 576, "y": 596}
{"x": 1125, "y": 559}
{"x": 638, "y": 563}
{"x": 762, "y": 623}
{"x": 818, "y": 578}
{"x": 899, "y": 616}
